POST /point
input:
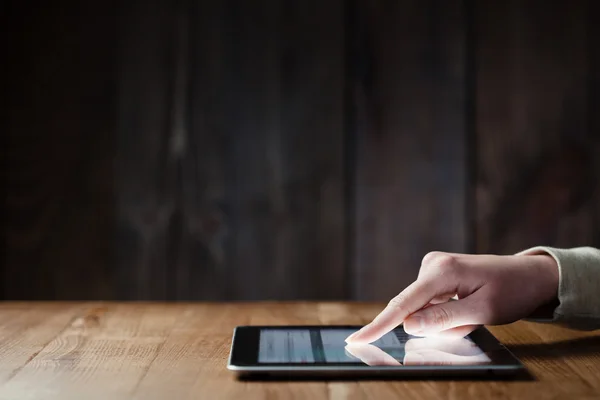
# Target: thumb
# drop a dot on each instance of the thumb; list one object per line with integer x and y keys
{"x": 442, "y": 317}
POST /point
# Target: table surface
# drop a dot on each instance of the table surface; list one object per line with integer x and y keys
{"x": 179, "y": 351}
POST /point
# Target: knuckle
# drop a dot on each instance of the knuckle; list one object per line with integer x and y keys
{"x": 430, "y": 257}
{"x": 441, "y": 263}
{"x": 447, "y": 261}
{"x": 441, "y": 318}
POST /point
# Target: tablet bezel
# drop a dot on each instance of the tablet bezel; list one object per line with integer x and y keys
{"x": 244, "y": 354}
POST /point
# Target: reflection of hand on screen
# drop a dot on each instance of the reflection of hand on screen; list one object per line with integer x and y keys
{"x": 440, "y": 351}
{"x": 371, "y": 355}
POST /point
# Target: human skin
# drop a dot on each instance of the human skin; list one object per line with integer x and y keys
{"x": 455, "y": 293}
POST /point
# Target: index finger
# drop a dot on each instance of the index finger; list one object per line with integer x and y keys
{"x": 412, "y": 299}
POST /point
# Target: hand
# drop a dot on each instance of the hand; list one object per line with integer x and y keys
{"x": 490, "y": 290}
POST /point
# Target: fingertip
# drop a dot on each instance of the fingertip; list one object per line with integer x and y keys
{"x": 363, "y": 336}
{"x": 349, "y": 338}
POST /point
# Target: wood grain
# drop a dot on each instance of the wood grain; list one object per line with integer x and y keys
{"x": 158, "y": 351}
{"x": 26, "y": 330}
{"x": 411, "y": 140}
{"x": 145, "y": 164}
{"x": 593, "y": 30}
{"x": 273, "y": 149}
{"x": 263, "y": 175}
{"x": 105, "y": 348}
{"x": 57, "y": 174}
{"x": 536, "y": 170}
{"x": 231, "y": 151}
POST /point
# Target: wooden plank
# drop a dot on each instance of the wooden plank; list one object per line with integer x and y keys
{"x": 593, "y": 30}
{"x": 411, "y": 140}
{"x": 58, "y": 173}
{"x": 200, "y": 268}
{"x": 535, "y": 149}
{"x": 579, "y": 353}
{"x": 262, "y": 207}
{"x": 145, "y": 165}
{"x": 25, "y": 331}
{"x": 231, "y": 151}
{"x": 533, "y": 346}
{"x": 186, "y": 354}
{"x": 103, "y": 352}
{"x": 191, "y": 363}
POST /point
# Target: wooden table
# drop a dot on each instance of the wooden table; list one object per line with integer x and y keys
{"x": 179, "y": 351}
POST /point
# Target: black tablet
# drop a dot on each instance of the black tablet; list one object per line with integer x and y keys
{"x": 321, "y": 351}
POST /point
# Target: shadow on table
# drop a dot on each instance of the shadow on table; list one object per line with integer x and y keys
{"x": 566, "y": 348}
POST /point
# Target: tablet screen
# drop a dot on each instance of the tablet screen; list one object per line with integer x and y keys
{"x": 327, "y": 345}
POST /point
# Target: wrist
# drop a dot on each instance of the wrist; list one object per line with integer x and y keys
{"x": 549, "y": 277}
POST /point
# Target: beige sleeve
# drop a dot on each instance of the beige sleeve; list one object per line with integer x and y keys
{"x": 579, "y": 285}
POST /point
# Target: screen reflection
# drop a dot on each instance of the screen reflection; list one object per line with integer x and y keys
{"x": 423, "y": 351}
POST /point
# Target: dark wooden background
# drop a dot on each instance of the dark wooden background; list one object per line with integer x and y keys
{"x": 289, "y": 149}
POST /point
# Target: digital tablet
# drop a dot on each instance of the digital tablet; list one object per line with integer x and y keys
{"x": 321, "y": 352}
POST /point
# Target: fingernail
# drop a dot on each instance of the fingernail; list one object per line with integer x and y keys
{"x": 415, "y": 325}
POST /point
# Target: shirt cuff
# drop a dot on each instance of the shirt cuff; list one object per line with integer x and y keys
{"x": 578, "y": 288}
